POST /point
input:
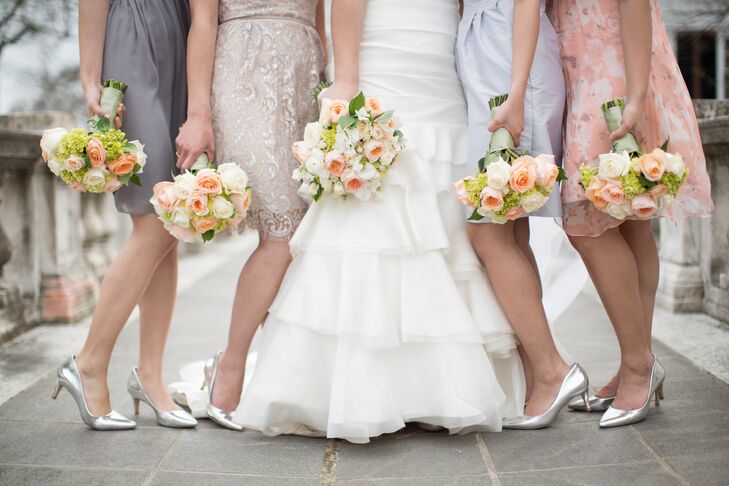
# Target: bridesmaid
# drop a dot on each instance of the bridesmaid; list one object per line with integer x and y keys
{"x": 268, "y": 59}
{"x": 621, "y": 256}
{"x": 526, "y": 65}
{"x": 141, "y": 42}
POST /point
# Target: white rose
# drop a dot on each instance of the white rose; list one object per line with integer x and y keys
{"x": 389, "y": 155}
{"x": 619, "y": 211}
{"x": 51, "y": 139}
{"x": 55, "y": 166}
{"x": 324, "y": 112}
{"x": 533, "y": 201}
{"x": 181, "y": 218}
{"x": 95, "y": 179}
{"x": 675, "y": 164}
{"x": 498, "y": 174}
{"x": 234, "y": 178}
{"x": 338, "y": 188}
{"x": 297, "y": 175}
{"x": 664, "y": 202}
{"x": 614, "y": 165}
{"x": 139, "y": 151}
{"x": 313, "y": 133}
{"x": 498, "y": 218}
{"x": 326, "y": 184}
{"x": 314, "y": 165}
{"x": 184, "y": 185}
{"x": 222, "y": 208}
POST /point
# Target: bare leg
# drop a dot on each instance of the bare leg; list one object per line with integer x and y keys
{"x": 521, "y": 232}
{"x": 613, "y": 269}
{"x": 638, "y": 236}
{"x": 257, "y": 287}
{"x": 155, "y": 315}
{"x": 517, "y": 289}
{"x": 125, "y": 282}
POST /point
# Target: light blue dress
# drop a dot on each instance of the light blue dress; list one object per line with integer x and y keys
{"x": 483, "y": 56}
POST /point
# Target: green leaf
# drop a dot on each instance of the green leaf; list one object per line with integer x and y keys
{"x": 137, "y": 168}
{"x": 646, "y": 183}
{"x": 124, "y": 179}
{"x": 482, "y": 164}
{"x": 561, "y": 176}
{"x": 208, "y": 235}
{"x": 319, "y": 88}
{"x": 664, "y": 147}
{"x": 319, "y": 193}
{"x": 475, "y": 216}
{"x": 356, "y": 103}
{"x": 134, "y": 179}
{"x": 347, "y": 121}
{"x": 383, "y": 118}
{"x": 103, "y": 124}
{"x": 130, "y": 147}
{"x": 88, "y": 160}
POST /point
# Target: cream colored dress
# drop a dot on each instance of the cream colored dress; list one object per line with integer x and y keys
{"x": 267, "y": 62}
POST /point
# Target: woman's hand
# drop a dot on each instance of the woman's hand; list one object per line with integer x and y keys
{"x": 632, "y": 112}
{"x": 92, "y": 93}
{"x": 510, "y": 115}
{"x": 196, "y": 137}
{"x": 339, "y": 91}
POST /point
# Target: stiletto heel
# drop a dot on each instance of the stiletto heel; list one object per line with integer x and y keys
{"x": 68, "y": 376}
{"x": 586, "y": 401}
{"x": 615, "y": 417}
{"x": 574, "y": 386}
{"x": 217, "y": 415}
{"x": 178, "y": 419}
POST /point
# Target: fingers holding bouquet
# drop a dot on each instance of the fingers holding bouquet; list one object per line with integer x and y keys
{"x": 510, "y": 116}
{"x": 195, "y": 138}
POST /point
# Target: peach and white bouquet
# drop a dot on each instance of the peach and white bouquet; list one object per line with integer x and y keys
{"x": 628, "y": 183}
{"x": 201, "y": 202}
{"x": 509, "y": 184}
{"x": 98, "y": 158}
{"x": 348, "y": 151}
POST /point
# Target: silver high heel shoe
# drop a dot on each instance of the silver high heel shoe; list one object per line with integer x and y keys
{"x": 217, "y": 415}
{"x": 574, "y": 384}
{"x": 614, "y": 417}
{"x": 597, "y": 404}
{"x": 69, "y": 377}
{"x": 178, "y": 419}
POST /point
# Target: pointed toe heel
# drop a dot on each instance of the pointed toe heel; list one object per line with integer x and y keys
{"x": 176, "y": 419}
{"x": 217, "y": 415}
{"x": 615, "y": 417}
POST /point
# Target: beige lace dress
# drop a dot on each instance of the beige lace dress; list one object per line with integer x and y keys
{"x": 267, "y": 62}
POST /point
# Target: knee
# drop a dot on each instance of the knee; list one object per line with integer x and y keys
{"x": 275, "y": 252}
{"x": 490, "y": 239}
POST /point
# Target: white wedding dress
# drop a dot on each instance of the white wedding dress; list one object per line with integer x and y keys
{"x": 385, "y": 315}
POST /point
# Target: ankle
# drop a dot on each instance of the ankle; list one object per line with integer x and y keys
{"x": 639, "y": 365}
{"x": 231, "y": 361}
{"x": 551, "y": 375}
{"x": 90, "y": 369}
{"x": 150, "y": 378}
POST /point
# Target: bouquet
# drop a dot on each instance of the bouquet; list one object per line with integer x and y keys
{"x": 98, "y": 158}
{"x": 509, "y": 184}
{"x": 201, "y": 202}
{"x": 628, "y": 182}
{"x": 348, "y": 151}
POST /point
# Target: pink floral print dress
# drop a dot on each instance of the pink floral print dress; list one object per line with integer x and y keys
{"x": 592, "y": 59}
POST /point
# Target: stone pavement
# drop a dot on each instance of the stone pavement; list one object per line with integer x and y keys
{"x": 685, "y": 441}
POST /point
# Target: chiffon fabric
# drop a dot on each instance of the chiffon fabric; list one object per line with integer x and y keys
{"x": 385, "y": 315}
{"x": 268, "y": 60}
{"x": 145, "y": 48}
{"x": 483, "y": 53}
{"x": 592, "y": 59}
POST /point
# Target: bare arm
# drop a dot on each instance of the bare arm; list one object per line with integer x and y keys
{"x": 92, "y": 15}
{"x": 636, "y": 28}
{"x": 347, "y": 24}
{"x": 196, "y": 135}
{"x": 321, "y": 27}
{"x": 525, "y": 35}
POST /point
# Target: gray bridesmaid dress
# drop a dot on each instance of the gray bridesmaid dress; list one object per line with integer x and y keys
{"x": 145, "y": 48}
{"x": 483, "y": 58}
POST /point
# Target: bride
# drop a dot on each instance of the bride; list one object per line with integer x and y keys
{"x": 385, "y": 315}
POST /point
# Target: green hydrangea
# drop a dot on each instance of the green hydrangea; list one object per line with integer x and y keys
{"x": 631, "y": 184}
{"x": 330, "y": 137}
{"x": 672, "y": 182}
{"x": 73, "y": 143}
{"x": 586, "y": 175}
{"x": 114, "y": 141}
{"x": 71, "y": 178}
{"x": 474, "y": 185}
{"x": 512, "y": 200}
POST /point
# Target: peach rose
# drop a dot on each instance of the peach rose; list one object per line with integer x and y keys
{"x": 373, "y": 105}
{"x": 241, "y": 203}
{"x": 592, "y": 193}
{"x": 123, "y": 165}
{"x": 77, "y": 186}
{"x": 652, "y": 166}
{"x": 164, "y": 192}
{"x": 113, "y": 185}
{"x": 462, "y": 194}
{"x": 515, "y": 213}
{"x": 74, "y": 163}
{"x": 373, "y": 150}
{"x": 659, "y": 190}
{"x": 208, "y": 182}
{"x": 613, "y": 193}
{"x": 391, "y": 124}
{"x": 353, "y": 184}
{"x": 95, "y": 151}
{"x": 523, "y": 174}
{"x": 335, "y": 163}
{"x": 492, "y": 199}
{"x": 644, "y": 206}
{"x": 301, "y": 152}
{"x": 205, "y": 224}
{"x": 198, "y": 203}
{"x": 363, "y": 128}
{"x": 336, "y": 110}
{"x": 543, "y": 162}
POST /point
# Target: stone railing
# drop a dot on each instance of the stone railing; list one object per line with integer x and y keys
{"x": 695, "y": 253}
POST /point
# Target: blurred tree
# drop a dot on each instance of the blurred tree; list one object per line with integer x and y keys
{"x": 21, "y": 19}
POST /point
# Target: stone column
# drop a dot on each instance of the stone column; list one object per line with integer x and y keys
{"x": 681, "y": 288}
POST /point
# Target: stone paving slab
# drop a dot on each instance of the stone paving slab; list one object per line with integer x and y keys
{"x": 685, "y": 440}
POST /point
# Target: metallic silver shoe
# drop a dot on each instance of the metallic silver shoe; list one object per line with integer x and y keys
{"x": 68, "y": 376}
{"x": 217, "y": 415}
{"x": 178, "y": 419}
{"x": 614, "y": 417}
{"x": 574, "y": 384}
{"x": 597, "y": 404}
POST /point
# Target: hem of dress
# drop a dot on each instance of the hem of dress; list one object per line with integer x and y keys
{"x": 618, "y": 222}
